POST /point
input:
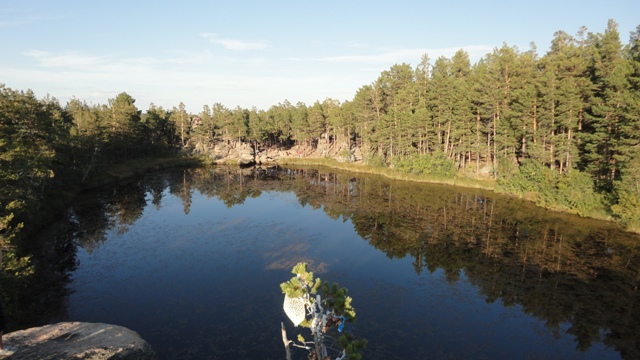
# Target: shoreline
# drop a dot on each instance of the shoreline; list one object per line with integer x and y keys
{"x": 55, "y": 203}
{"x": 469, "y": 183}
{"x": 122, "y": 171}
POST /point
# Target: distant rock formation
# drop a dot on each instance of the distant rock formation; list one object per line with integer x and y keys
{"x": 76, "y": 340}
{"x": 230, "y": 152}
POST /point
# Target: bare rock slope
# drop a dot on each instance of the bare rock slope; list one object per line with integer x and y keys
{"x": 76, "y": 340}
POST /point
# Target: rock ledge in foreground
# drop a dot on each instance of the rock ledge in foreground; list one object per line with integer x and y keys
{"x": 77, "y": 340}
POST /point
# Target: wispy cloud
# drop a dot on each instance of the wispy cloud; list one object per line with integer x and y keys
{"x": 233, "y": 44}
{"x": 19, "y": 21}
{"x": 79, "y": 61}
{"x": 196, "y": 76}
{"x": 198, "y": 79}
{"x": 69, "y": 59}
{"x": 408, "y": 55}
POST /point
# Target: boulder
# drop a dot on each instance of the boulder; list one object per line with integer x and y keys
{"x": 77, "y": 340}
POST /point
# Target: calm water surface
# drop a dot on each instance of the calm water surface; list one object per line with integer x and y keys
{"x": 192, "y": 260}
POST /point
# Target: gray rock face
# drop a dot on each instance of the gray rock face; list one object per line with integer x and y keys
{"x": 76, "y": 340}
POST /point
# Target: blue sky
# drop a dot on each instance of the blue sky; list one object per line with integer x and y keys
{"x": 259, "y": 53}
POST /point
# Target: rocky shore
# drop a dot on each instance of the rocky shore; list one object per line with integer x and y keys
{"x": 242, "y": 153}
{"x": 77, "y": 340}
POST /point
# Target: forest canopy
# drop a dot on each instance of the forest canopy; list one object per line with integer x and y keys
{"x": 562, "y": 129}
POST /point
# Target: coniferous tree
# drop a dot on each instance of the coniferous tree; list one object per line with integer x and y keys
{"x": 442, "y": 101}
{"x": 627, "y": 189}
{"x": 181, "y": 123}
{"x": 159, "y": 127}
{"x": 239, "y": 123}
{"x": 316, "y": 122}
{"x": 300, "y": 124}
{"x": 603, "y": 152}
{"x": 396, "y": 88}
{"x": 256, "y": 129}
{"x": 123, "y": 119}
{"x": 422, "y": 116}
{"x": 482, "y": 109}
{"x": 33, "y": 134}
{"x": 525, "y": 103}
{"x": 363, "y": 113}
{"x": 331, "y": 113}
{"x": 404, "y": 111}
{"x": 565, "y": 67}
{"x": 462, "y": 115}
{"x": 501, "y": 64}
{"x": 89, "y": 136}
{"x": 204, "y": 131}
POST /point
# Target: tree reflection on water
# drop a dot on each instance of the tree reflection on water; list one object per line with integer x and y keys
{"x": 557, "y": 267}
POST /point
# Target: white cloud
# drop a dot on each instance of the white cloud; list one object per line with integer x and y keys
{"x": 232, "y": 44}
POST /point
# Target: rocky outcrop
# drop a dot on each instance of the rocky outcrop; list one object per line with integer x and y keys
{"x": 232, "y": 152}
{"x": 76, "y": 340}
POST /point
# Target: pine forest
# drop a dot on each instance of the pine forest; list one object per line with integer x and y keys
{"x": 560, "y": 129}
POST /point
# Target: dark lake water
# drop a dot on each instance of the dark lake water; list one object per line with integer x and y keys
{"x": 192, "y": 261}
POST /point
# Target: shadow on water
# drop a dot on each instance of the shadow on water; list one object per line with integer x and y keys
{"x": 578, "y": 277}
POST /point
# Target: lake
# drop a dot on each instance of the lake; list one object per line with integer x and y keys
{"x": 192, "y": 259}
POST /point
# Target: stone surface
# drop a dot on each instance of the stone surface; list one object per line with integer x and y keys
{"x": 235, "y": 152}
{"x": 76, "y": 340}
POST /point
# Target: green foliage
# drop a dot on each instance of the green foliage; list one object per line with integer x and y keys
{"x": 574, "y": 191}
{"x": 430, "y": 164}
{"x": 352, "y": 346}
{"x": 628, "y": 203}
{"x": 530, "y": 177}
{"x": 16, "y": 272}
{"x": 569, "y": 191}
{"x": 32, "y": 132}
{"x": 336, "y": 298}
{"x": 345, "y": 155}
{"x": 8, "y": 229}
{"x": 301, "y": 283}
{"x": 335, "y": 302}
{"x": 376, "y": 161}
{"x": 16, "y": 267}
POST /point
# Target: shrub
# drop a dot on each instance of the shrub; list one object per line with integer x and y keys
{"x": 628, "y": 202}
{"x": 571, "y": 191}
{"x": 430, "y": 164}
{"x": 530, "y": 177}
{"x": 376, "y": 161}
{"x": 574, "y": 190}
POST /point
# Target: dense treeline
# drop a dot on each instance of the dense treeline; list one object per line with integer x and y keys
{"x": 46, "y": 147}
{"x": 562, "y": 129}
